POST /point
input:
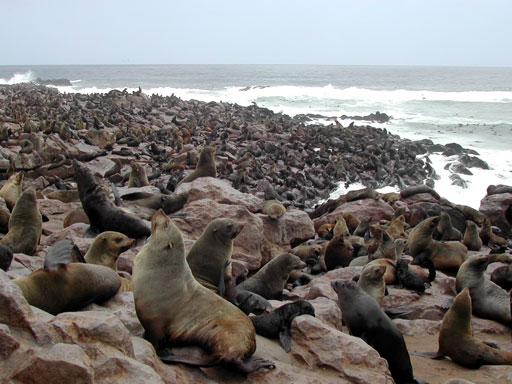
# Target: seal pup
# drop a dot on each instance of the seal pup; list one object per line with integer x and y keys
{"x": 212, "y": 250}
{"x": 444, "y": 255}
{"x": 366, "y": 319}
{"x": 471, "y": 238}
{"x": 271, "y": 279}
{"x": 502, "y": 276}
{"x": 5, "y": 257}
{"x": 372, "y": 281}
{"x": 205, "y": 166}
{"x": 277, "y": 323}
{"x": 101, "y": 211}
{"x": 12, "y": 190}
{"x": 25, "y": 225}
{"x": 489, "y": 300}
{"x": 273, "y": 209}
{"x": 138, "y": 177}
{"x": 456, "y": 339}
{"x": 62, "y": 287}
{"x": 408, "y": 278}
{"x": 175, "y": 309}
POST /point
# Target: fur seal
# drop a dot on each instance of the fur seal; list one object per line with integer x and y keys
{"x": 456, "y": 338}
{"x": 277, "y": 323}
{"x": 362, "y": 228}
{"x": 5, "y": 257}
{"x": 212, "y": 250}
{"x": 390, "y": 274}
{"x": 489, "y": 301}
{"x": 271, "y": 279}
{"x": 397, "y": 227}
{"x": 338, "y": 253}
{"x": 407, "y": 278}
{"x": 5, "y": 215}
{"x": 11, "y": 190}
{"x": 106, "y": 248}
{"x": 502, "y": 276}
{"x": 175, "y": 309}
{"x": 169, "y": 203}
{"x": 273, "y": 209}
{"x": 102, "y": 213}
{"x": 205, "y": 166}
{"x": 75, "y": 216}
{"x": 310, "y": 254}
{"x": 351, "y": 220}
{"x": 471, "y": 238}
{"x": 382, "y": 245}
{"x": 138, "y": 177}
{"x": 365, "y": 193}
{"x": 366, "y": 319}
{"x": 445, "y": 231}
{"x": 411, "y": 191}
{"x": 372, "y": 281}
{"x": 325, "y": 231}
{"x": 471, "y": 214}
{"x": 62, "y": 287}
{"x": 488, "y": 236}
{"x": 444, "y": 255}
{"x": 25, "y": 225}
{"x": 340, "y": 229}
{"x": 67, "y": 196}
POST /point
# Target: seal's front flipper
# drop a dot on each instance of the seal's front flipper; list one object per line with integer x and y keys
{"x": 430, "y": 355}
{"x": 254, "y": 363}
{"x": 285, "y": 338}
{"x": 59, "y": 255}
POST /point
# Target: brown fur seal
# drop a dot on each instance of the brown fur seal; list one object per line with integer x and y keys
{"x": 310, "y": 254}
{"x": 362, "y": 228}
{"x": 445, "y": 231}
{"x": 169, "y": 203}
{"x": 325, "y": 231}
{"x": 397, "y": 227}
{"x": 489, "y": 301}
{"x": 67, "y": 196}
{"x": 502, "y": 276}
{"x": 102, "y": 213}
{"x": 488, "y": 236}
{"x": 372, "y": 281}
{"x": 340, "y": 229}
{"x": 351, "y": 220}
{"x": 277, "y": 324}
{"x": 273, "y": 209}
{"x": 411, "y": 191}
{"x": 11, "y": 190}
{"x": 205, "y": 166}
{"x": 5, "y": 215}
{"x": 383, "y": 245}
{"x": 25, "y": 225}
{"x": 338, "y": 253}
{"x": 175, "y": 309}
{"x": 366, "y": 319}
{"x": 390, "y": 274}
{"x": 471, "y": 214}
{"x": 75, "y": 216}
{"x": 471, "y": 238}
{"x": 212, "y": 250}
{"x": 444, "y": 255}
{"x": 138, "y": 177}
{"x": 271, "y": 279}
{"x": 70, "y": 287}
{"x": 456, "y": 338}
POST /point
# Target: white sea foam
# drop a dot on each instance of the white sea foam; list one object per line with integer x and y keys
{"x": 18, "y": 78}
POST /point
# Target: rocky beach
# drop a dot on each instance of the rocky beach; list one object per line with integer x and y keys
{"x": 259, "y": 156}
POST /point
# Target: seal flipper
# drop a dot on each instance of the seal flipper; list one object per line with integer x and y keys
{"x": 254, "y": 363}
{"x": 430, "y": 355}
{"x": 59, "y": 255}
{"x": 136, "y": 196}
{"x": 285, "y": 338}
{"x": 191, "y": 355}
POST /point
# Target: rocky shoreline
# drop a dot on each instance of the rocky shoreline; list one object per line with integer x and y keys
{"x": 260, "y": 155}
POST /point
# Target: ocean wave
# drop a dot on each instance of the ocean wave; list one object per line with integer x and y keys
{"x": 18, "y": 78}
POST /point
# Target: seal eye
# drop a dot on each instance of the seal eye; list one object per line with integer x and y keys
{"x": 119, "y": 239}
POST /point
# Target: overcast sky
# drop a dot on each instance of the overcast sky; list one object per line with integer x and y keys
{"x": 342, "y": 32}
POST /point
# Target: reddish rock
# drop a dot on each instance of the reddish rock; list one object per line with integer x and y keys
{"x": 8, "y": 344}
{"x": 123, "y": 306}
{"x": 14, "y": 309}
{"x": 321, "y": 346}
{"x": 418, "y": 327}
{"x": 499, "y": 211}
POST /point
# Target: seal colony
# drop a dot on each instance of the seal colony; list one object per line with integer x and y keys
{"x": 62, "y": 162}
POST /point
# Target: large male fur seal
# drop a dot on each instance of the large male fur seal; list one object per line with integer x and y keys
{"x": 25, "y": 225}
{"x": 456, "y": 338}
{"x": 444, "y": 255}
{"x": 270, "y": 280}
{"x": 103, "y": 214}
{"x": 366, "y": 319}
{"x": 488, "y": 299}
{"x": 62, "y": 287}
{"x": 205, "y": 166}
{"x": 277, "y": 323}
{"x": 212, "y": 250}
{"x": 175, "y": 310}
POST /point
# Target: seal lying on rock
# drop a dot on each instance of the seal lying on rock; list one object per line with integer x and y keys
{"x": 277, "y": 323}
{"x": 366, "y": 319}
{"x": 169, "y": 203}
{"x": 489, "y": 301}
{"x": 63, "y": 287}
{"x": 456, "y": 338}
{"x": 101, "y": 211}
{"x": 175, "y": 310}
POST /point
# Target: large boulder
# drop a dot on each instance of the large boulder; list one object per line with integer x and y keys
{"x": 498, "y": 208}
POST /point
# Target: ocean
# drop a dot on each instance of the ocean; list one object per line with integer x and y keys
{"x": 466, "y": 105}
